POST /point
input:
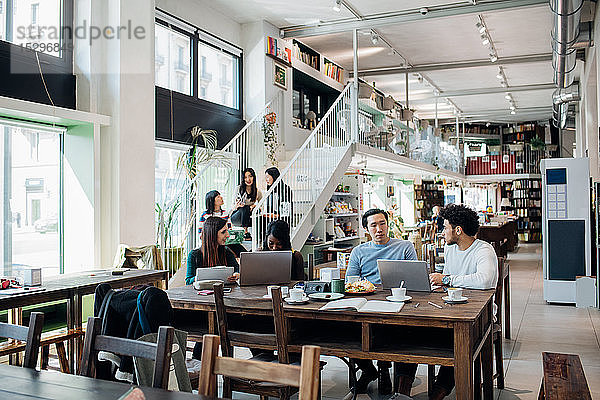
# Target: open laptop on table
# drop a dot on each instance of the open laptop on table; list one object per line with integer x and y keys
{"x": 265, "y": 267}
{"x": 415, "y": 275}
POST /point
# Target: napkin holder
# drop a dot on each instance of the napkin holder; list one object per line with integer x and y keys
{"x": 317, "y": 287}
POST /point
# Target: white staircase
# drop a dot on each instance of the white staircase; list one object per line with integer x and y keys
{"x": 310, "y": 177}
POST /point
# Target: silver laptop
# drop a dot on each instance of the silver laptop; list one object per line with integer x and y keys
{"x": 214, "y": 273}
{"x": 415, "y": 274}
{"x": 265, "y": 267}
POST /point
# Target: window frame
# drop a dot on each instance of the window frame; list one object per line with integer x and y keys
{"x": 196, "y": 35}
{"x": 10, "y": 52}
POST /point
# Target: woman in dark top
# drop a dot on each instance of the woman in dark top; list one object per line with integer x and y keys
{"x": 277, "y": 239}
{"x": 247, "y": 197}
{"x": 212, "y": 252}
{"x": 280, "y": 205}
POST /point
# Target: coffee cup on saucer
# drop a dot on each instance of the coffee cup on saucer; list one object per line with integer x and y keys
{"x": 399, "y": 293}
{"x": 296, "y": 294}
{"x": 455, "y": 294}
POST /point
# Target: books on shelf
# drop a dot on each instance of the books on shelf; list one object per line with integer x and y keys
{"x": 333, "y": 71}
{"x": 306, "y": 58}
{"x": 277, "y": 49}
{"x": 361, "y": 304}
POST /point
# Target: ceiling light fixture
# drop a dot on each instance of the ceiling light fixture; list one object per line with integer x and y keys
{"x": 485, "y": 40}
{"x": 507, "y": 97}
{"x": 513, "y": 112}
{"x": 337, "y": 5}
{"x": 374, "y": 38}
{"x": 512, "y": 108}
{"x": 493, "y": 57}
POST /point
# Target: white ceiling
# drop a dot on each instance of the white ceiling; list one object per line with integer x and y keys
{"x": 514, "y": 32}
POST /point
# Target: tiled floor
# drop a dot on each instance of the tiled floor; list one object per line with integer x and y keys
{"x": 536, "y": 327}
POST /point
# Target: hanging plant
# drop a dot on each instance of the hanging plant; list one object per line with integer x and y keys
{"x": 270, "y": 137}
{"x": 537, "y": 144}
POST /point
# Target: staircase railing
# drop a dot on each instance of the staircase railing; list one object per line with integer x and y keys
{"x": 221, "y": 171}
{"x": 292, "y": 195}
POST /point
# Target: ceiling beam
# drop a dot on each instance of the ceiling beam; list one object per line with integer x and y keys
{"x": 534, "y": 58}
{"x": 401, "y": 17}
{"x": 427, "y": 99}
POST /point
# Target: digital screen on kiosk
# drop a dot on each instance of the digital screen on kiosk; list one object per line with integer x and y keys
{"x": 556, "y": 176}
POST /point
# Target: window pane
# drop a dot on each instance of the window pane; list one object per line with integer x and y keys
{"x": 35, "y": 24}
{"x": 172, "y": 60}
{"x": 31, "y": 176}
{"x": 170, "y": 180}
{"x": 218, "y": 76}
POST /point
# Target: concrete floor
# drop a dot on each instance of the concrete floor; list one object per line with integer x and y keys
{"x": 536, "y": 327}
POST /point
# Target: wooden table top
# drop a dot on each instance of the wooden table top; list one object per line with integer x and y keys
{"x": 61, "y": 286}
{"x": 251, "y": 298}
{"x": 23, "y": 383}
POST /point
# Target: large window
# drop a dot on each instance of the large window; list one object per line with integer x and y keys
{"x": 172, "y": 59}
{"x": 196, "y": 63}
{"x": 31, "y": 176}
{"x": 36, "y": 24}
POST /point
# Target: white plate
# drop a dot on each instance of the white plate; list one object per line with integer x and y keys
{"x": 463, "y": 299}
{"x": 290, "y": 301}
{"x": 325, "y": 296}
{"x": 392, "y": 298}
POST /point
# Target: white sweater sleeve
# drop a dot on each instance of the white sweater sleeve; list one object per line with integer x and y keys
{"x": 486, "y": 275}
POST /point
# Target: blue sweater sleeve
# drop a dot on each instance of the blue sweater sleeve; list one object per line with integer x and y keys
{"x": 410, "y": 252}
{"x": 353, "y": 264}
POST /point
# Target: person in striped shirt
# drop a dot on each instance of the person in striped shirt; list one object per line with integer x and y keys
{"x": 214, "y": 203}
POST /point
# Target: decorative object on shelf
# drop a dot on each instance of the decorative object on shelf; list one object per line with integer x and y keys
{"x": 280, "y": 76}
{"x": 271, "y": 140}
{"x": 311, "y": 120}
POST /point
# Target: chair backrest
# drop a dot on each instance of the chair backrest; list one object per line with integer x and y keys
{"x": 305, "y": 377}
{"x": 279, "y": 339}
{"x": 160, "y": 351}
{"x": 31, "y": 335}
{"x": 431, "y": 259}
{"x": 499, "y": 288}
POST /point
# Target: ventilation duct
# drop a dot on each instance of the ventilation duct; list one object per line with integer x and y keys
{"x": 565, "y": 41}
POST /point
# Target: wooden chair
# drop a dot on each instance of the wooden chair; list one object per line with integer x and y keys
{"x": 160, "y": 351}
{"x": 305, "y": 377}
{"x": 497, "y": 329}
{"x": 279, "y": 340}
{"x": 30, "y": 335}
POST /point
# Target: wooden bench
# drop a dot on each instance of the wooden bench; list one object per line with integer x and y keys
{"x": 563, "y": 378}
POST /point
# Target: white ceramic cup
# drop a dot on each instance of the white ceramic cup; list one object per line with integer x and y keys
{"x": 455, "y": 293}
{"x": 269, "y": 288}
{"x": 352, "y": 278}
{"x": 296, "y": 294}
{"x": 399, "y": 293}
{"x": 285, "y": 291}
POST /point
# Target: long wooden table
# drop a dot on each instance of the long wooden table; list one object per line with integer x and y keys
{"x": 26, "y": 384}
{"x": 72, "y": 287}
{"x": 454, "y": 335}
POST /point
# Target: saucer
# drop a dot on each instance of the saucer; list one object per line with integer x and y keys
{"x": 463, "y": 299}
{"x": 266, "y": 296}
{"x": 290, "y": 301}
{"x": 395, "y": 300}
{"x": 325, "y": 296}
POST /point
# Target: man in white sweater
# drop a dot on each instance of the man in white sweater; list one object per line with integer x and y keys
{"x": 468, "y": 263}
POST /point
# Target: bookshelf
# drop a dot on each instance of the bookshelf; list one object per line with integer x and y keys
{"x": 522, "y": 133}
{"x": 308, "y": 56}
{"x": 427, "y": 195}
{"x": 333, "y": 70}
{"x": 526, "y": 201}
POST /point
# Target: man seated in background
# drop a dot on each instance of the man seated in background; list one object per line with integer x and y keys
{"x": 363, "y": 263}
{"x": 469, "y": 263}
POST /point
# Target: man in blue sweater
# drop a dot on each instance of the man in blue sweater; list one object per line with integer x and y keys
{"x": 363, "y": 263}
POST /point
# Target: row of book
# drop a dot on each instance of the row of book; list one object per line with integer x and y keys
{"x": 530, "y": 236}
{"x": 532, "y": 225}
{"x": 274, "y": 49}
{"x": 526, "y": 203}
{"x": 521, "y": 128}
{"x": 306, "y": 58}
{"x": 525, "y": 212}
{"x": 334, "y": 72}
{"x": 528, "y": 184}
{"x": 527, "y": 194}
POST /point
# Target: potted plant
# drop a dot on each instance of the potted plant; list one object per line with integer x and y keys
{"x": 174, "y": 223}
{"x": 537, "y": 144}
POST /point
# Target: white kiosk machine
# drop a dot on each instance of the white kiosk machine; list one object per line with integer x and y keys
{"x": 566, "y": 229}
